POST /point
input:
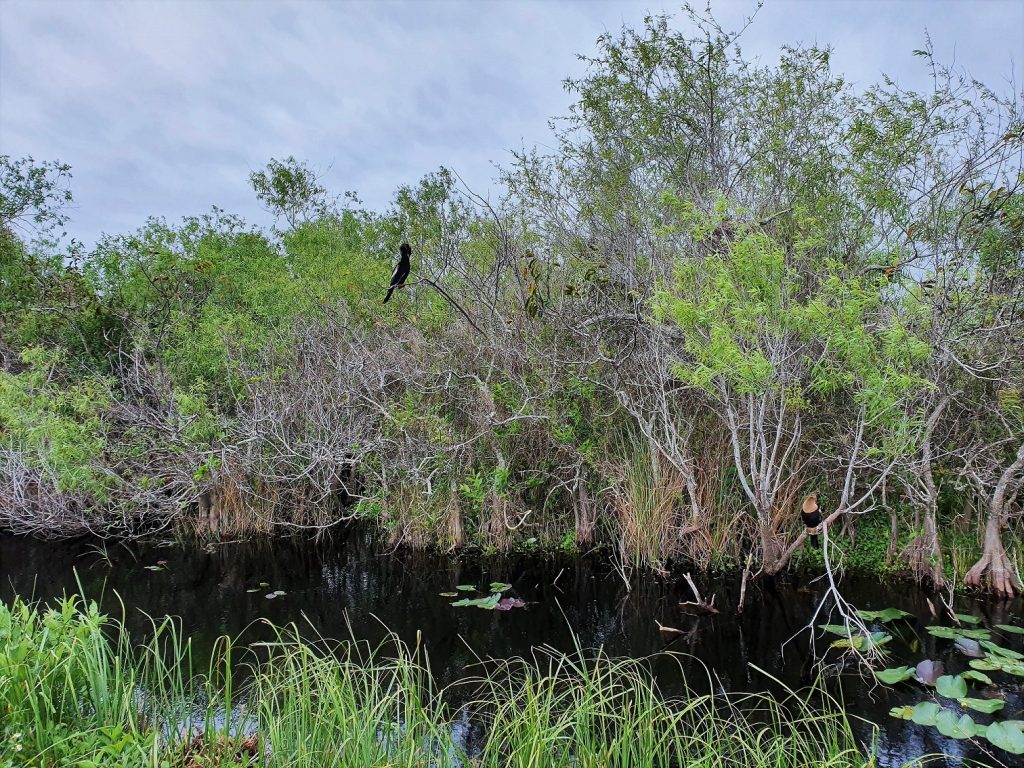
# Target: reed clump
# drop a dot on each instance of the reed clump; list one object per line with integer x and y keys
{"x": 75, "y": 691}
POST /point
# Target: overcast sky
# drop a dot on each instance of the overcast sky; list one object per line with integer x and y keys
{"x": 164, "y": 108}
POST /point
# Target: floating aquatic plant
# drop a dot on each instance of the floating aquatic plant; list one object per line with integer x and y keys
{"x": 885, "y": 615}
{"x": 488, "y": 603}
{"x": 894, "y": 675}
{"x": 1008, "y": 734}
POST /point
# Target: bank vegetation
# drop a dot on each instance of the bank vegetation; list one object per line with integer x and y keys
{"x": 726, "y": 285}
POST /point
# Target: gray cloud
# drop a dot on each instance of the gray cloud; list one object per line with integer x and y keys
{"x": 163, "y": 108}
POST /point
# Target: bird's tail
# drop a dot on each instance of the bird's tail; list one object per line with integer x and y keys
{"x": 388, "y": 297}
{"x": 814, "y": 539}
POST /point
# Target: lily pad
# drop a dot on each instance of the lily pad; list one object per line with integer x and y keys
{"x": 264, "y": 583}
{"x": 895, "y": 675}
{"x": 835, "y": 629}
{"x": 153, "y": 567}
{"x": 884, "y": 615}
{"x": 925, "y": 712}
{"x": 988, "y": 664}
{"x": 275, "y": 594}
{"x": 952, "y": 633}
{"x": 1013, "y": 668}
{"x": 928, "y": 671}
{"x": 466, "y": 588}
{"x": 981, "y": 677}
{"x": 498, "y": 586}
{"x": 951, "y": 686}
{"x": 449, "y": 594}
{"x": 966, "y": 618}
{"x": 988, "y": 706}
{"x": 1007, "y": 735}
{"x": 488, "y": 603}
{"x": 954, "y": 727}
{"x": 874, "y": 641}
{"x": 998, "y": 650}
{"x": 1011, "y": 629}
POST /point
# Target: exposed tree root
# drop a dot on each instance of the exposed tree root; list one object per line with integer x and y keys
{"x": 994, "y": 567}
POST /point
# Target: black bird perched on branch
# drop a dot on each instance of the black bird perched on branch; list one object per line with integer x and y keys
{"x": 401, "y": 273}
{"x": 811, "y": 516}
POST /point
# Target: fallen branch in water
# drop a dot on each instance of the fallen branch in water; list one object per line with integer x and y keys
{"x": 700, "y": 605}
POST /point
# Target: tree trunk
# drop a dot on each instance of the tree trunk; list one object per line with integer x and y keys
{"x": 1002, "y": 579}
{"x": 456, "y": 532}
{"x": 926, "y": 555}
{"x": 925, "y": 551}
{"x": 994, "y": 564}
{"x": 585, "y": 515}
{"x": 772, "y": 560}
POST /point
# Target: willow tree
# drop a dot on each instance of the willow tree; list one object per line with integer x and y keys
{"x": 665, "y": 117}
{"x": 778, "y": 349}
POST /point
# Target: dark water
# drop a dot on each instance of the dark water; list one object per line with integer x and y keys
{"x": 349, "y": 587}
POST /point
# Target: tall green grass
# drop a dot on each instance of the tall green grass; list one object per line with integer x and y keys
{"x": 69, "y": 691}
{"x": 73, "y": 691}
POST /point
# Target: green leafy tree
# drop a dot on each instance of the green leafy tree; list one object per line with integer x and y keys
{"x": 291, "y": 190}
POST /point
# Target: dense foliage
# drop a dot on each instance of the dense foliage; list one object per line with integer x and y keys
{"x": 729, "y": 285}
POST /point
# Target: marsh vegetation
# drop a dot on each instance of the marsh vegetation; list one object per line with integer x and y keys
{"x": 728, "y": 285}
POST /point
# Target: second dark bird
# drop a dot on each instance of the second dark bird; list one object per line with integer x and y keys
{"x": 401, "y": 273}
{"x": 811, "y": 516}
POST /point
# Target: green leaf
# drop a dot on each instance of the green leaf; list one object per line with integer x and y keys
{"x": 975, "y": 634}
{"x": 1011, "y": 629}
{"x": 895, "y": 675}
{"x": 981, "y": 677}
{"x": 488, "y": 603}
{"x": 954, "y": 727}
{"x": 988, "y": 706}
{"x": 980, "y": 730}
{"x": 987, "y": 664}
{"x": 449, "y": 594}
{"x": 878, "y": 639}
{"x": 952, "y": 633}
{"x": 835, "y": 629}
{"x": 925, "y": 713}
{"x": 998, "y": 650}
{"x": 466, "y": 588}
{"x": 884, "y": 615}
{"x": 498, "y": 586}
{"x": 951, "y": 686}
{"x": 966, "y": 618}
{"x": 1012, "y": 668}
{"x": 1007, "y": 735}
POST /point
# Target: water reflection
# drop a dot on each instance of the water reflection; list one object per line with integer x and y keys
{"x": 348, "y": 586}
